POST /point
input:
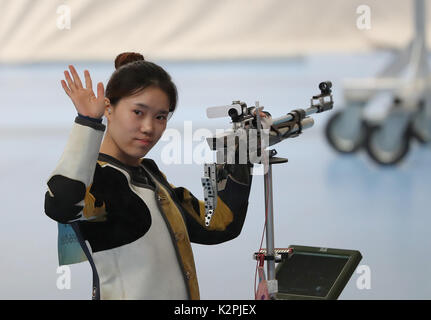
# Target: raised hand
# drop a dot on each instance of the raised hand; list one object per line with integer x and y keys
{"x": 84, "y": 99}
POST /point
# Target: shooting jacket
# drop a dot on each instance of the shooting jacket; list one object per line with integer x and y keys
{"x": 132, "y": 225}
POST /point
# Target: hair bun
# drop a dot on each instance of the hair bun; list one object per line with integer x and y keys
{"x": 127, "y": 57}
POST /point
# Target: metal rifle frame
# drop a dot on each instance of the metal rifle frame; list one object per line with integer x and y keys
{"x": 297, "y": 116}
{"x": 287, "y": 126}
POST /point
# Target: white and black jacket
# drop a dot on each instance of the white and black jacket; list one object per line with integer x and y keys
{"x": 134, "y": 227}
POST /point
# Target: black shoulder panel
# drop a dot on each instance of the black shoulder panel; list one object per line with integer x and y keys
{"x": 67, "y": 192}
{"x": 127, "y": 216}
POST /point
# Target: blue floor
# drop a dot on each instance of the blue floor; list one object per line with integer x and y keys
{"x": 320, "y": 197}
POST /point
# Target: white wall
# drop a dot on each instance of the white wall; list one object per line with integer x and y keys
{"x": 47, "y": 30}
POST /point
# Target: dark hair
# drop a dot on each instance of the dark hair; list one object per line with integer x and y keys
{"x": 134, "y": 74}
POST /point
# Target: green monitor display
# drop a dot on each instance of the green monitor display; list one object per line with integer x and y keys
{"x": 315, "y": 273}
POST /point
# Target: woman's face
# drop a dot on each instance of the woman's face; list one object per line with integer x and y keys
{"x": 136, "y": 123}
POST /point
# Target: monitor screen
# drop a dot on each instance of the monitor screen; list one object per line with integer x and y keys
{"x": 314, "y": 272}
{"x": 310, "y": 274}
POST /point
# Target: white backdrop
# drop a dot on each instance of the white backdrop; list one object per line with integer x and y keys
{"x": 47, "y": 30}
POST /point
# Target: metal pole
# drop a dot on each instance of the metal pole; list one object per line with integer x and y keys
{"x": 419, "y": 56}
{"x": 420, "y": 18}
{"x": 269, "y": 222}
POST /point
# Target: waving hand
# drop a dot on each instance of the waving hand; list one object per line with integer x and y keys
{"x": 84, "y": 99}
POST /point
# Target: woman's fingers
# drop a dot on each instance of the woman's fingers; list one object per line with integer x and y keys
{"x": 65, "y": 87}
{"x": 84, "y": 99}
{"x": 69, "y": 80}
{"x": 88, "y": 82}
{"x": 75, "y": 76}
{"x": 261, "y": 113}
{"x": 100, "y": 91}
